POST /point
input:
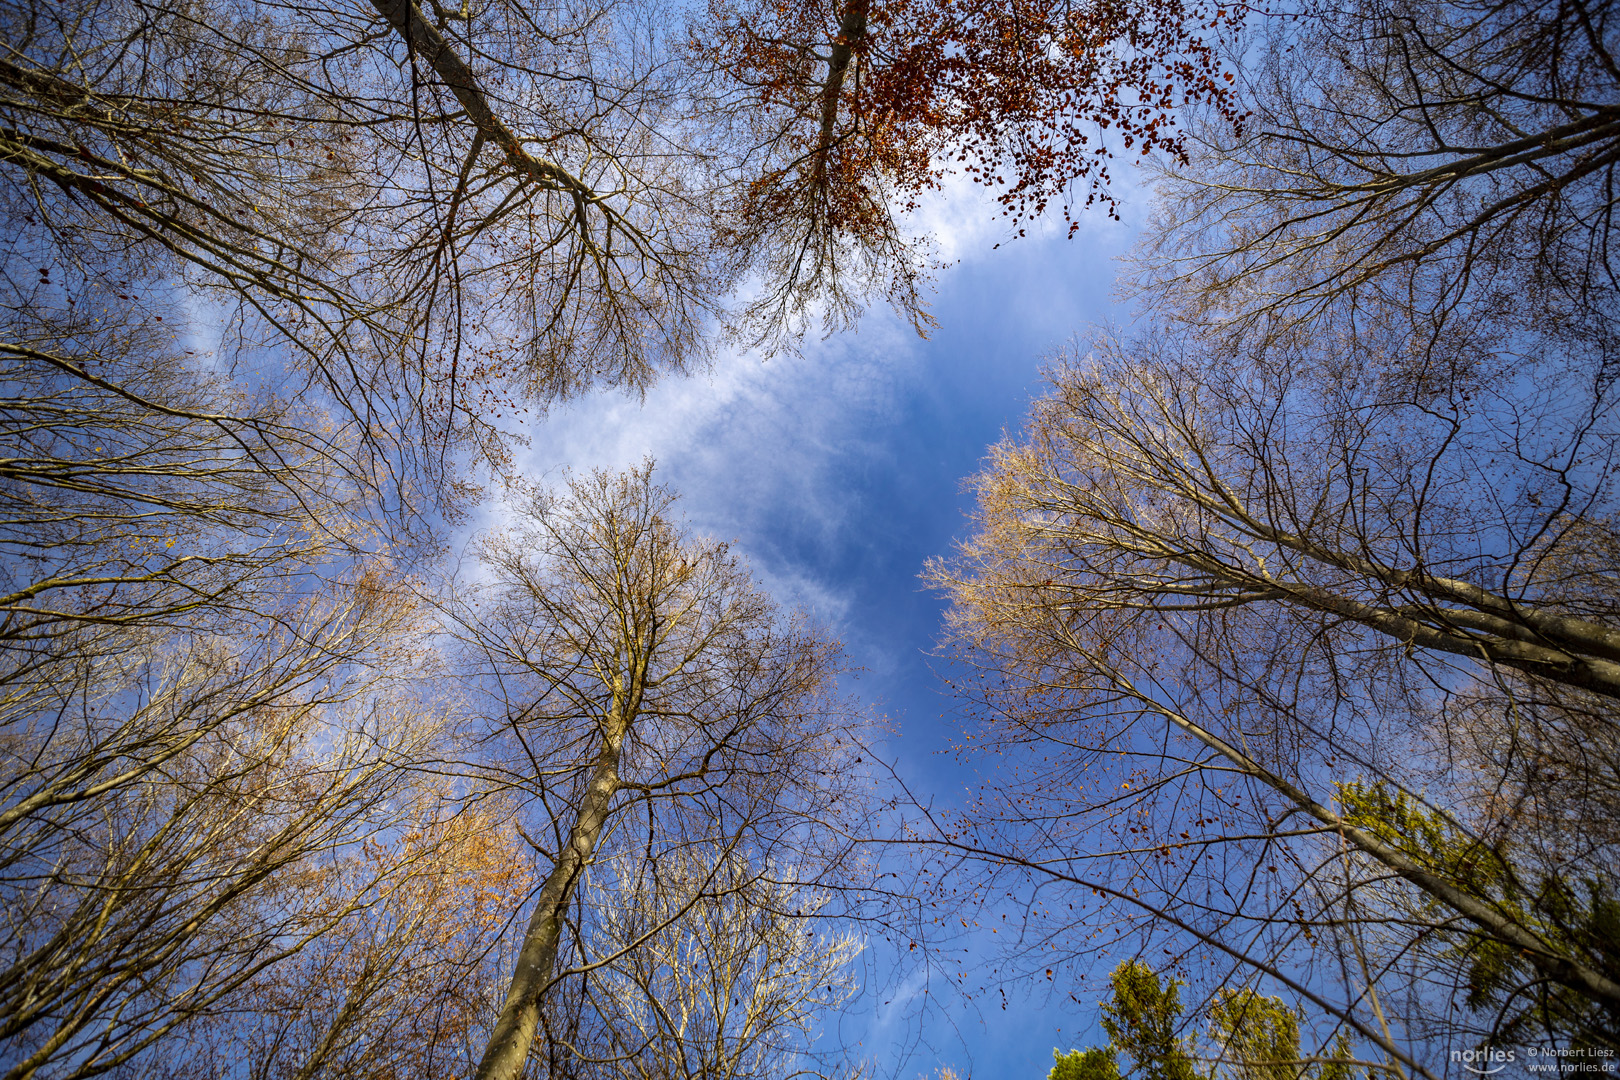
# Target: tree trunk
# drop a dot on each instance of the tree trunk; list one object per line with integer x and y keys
{"x": 508, "y": 1047}
{"x": 851, "y": 30}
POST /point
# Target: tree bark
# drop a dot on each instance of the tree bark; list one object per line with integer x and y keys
{"x": 424, "y": 38}
{"x": 509, "y": 1044}
{"x": 851, "y": 31}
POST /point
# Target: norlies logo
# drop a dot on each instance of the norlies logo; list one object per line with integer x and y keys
{"x": 1483, "y": 1062}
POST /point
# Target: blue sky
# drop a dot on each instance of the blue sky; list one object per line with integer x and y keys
{"x": 839, "y": 471}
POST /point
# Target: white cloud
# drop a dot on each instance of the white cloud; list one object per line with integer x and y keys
{"x": 763, "y": 451}
{"x": 967, "y": 222}
{"x": 752, "y": 446}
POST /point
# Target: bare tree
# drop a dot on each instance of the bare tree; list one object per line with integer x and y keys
{"x": 345, "y": 188}
{"x": 203, "y": 645}
{"x": 1306, "y": 593}
{"x": 1399, "y": 158}
{"x": 1320, "y": 670}
{"x": 710, "y": 970}
{"x": 171, "y": 800}
{"x": 273, "y": 276}
{"x": 142, "y": 489}
{"x": 637, "y": 674}
{"x": 403, "y": 987}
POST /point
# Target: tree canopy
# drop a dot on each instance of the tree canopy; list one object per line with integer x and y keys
{"x": 1290, "y": 612}
{"x": 1301, "y": 591}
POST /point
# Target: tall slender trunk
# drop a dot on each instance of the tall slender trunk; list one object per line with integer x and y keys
{"x": 508, "y": 1047}
{"x": 851, "y": 31}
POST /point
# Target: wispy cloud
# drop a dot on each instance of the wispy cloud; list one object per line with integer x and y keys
{"x": 823, "y": 466}
{"x": 757, "y": 448}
